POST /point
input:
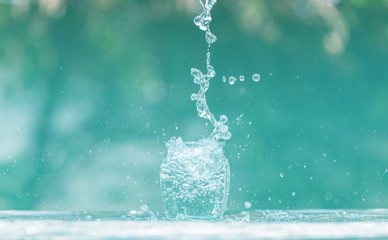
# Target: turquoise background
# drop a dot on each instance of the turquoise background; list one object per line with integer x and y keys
{"x": 90, "y": 91}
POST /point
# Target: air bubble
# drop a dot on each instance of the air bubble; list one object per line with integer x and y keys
{"x": 242, "y": 78}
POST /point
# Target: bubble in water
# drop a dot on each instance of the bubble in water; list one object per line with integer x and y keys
{"x": 281, "y": 175}
{"x": 232, "y": 80}
{"x": 223, "y": 78}
{"x": 256, "y": 77}
{"x": 242, "y": 78}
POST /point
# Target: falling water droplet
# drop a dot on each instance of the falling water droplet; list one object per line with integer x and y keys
{"x": 194, "y": 97}
{"x": 239, "y": 119}
{"x": 210, "y": 38}
{"x": 232, "y": 80}
{"x": 256, "y": 77}
{"x": 223, "y": 119}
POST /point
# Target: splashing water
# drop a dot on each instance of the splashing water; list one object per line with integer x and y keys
{"x": 194, "y": 176}
{"x": 220, "y": 130}
{"x": 203, "y": 20}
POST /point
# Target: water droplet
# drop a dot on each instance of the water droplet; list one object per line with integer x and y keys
{"x": 256, "y": 77}
{"x": 200, "y": 22}
{"x": 281, "y": 175}
{"x": 194, "y": 97}
{"x": 223, "y": 78}
{"x": 210, "y": 71}
{"x": 293, "y": 194}
{"x": 247, "y": 205}
{"x": 223, "y": 119}
{"x": 239, "y": 119}
{"x": 210, "y": 38}
{"x": 232, "y": 80}
{"x": 207, "y": 17}
{"x": 242, "y": 78}
{"x": 196, "y": 73}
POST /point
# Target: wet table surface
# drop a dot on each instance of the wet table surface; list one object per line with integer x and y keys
{"x": 255, "y": 224}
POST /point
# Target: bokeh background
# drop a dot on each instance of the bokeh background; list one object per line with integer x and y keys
{"x": 90, "y": 91}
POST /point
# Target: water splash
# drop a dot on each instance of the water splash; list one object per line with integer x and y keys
{"x": 203, "y": 20}
{"x": 221, "y": 130}
{"x": 194, "y": 176}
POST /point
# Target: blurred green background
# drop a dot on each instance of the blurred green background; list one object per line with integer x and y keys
{"x": 91, "y": 90}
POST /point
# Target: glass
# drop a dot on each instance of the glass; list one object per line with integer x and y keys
{"x": 195, "y": 179}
